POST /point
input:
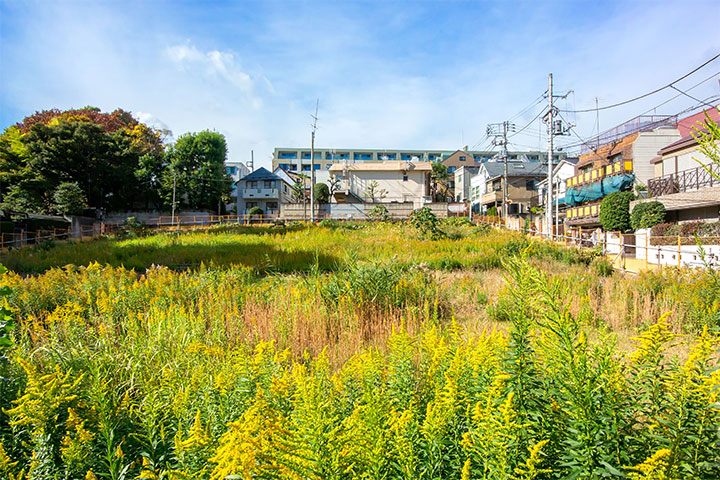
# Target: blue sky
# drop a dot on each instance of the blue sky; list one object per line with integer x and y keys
{"x": 389, "y": 74}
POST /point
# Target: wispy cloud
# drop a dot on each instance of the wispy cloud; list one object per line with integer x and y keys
{"x": 388, "y": 74}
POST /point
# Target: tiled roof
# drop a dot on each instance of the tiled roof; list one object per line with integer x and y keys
{"x": 260, "y": 174}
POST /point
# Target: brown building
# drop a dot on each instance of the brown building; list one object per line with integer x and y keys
{"x": 627, "y": 151}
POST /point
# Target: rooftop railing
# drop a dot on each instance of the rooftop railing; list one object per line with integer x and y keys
{"x": 641, "y": 123}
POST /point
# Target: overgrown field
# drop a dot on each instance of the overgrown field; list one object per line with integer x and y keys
{"x": 359, "y": 352}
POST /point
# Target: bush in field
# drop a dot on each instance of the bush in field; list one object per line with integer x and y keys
{"x": 647, "y": 215}
{"x": 425, "y": 222}
{"x": 132, "y": 228}
{"x": 615, "y": 212}
{"x": 255, "y": 211}
{"x": 379, "y": 213}
{"x": 492, "y": 211}
{"x": 457, "y": 221}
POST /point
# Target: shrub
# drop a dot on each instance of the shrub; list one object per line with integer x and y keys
{"x": 647, "y": 215}
{"x": 379, "y": 213}
{"x": 255, "y": 211}
{"x": 425, "y": 221}
{"x": 132, "y": 228}
{"x": 615, "y": 212}
{"x": 322, "y": 193}
{"x": 456, "y": 221}
{"x": 492, "y": 211}
{"x": 329, "y": 223}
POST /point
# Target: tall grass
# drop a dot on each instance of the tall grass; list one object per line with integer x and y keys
{"x": 363, "y": 363}
{"x": 162, "y": 393}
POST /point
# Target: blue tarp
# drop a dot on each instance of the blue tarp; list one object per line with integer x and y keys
{"x": 587, "y": 193}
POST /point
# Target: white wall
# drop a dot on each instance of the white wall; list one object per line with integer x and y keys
{"x": 645, "y": 148}
{"x": 685, "y": 160}
{"x": 392, "y": 182}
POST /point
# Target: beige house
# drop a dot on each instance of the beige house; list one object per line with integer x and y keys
{"x": 383, "y": 182}
{"x": 687, "y": 189}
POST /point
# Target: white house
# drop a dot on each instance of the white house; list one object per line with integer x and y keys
{"x": 383, "y": 182}
{"x": 562, "y": 171}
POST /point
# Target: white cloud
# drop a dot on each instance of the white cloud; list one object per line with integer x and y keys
{"x": 212, "y": 63}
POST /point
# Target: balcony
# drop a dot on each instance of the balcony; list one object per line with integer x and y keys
{"x": 686, "y": 180}
{"x": 625, "y": 166}
{"x": 496, "y": 196}
{"x": 261, "y": 193}
{"x": 583, "y": 212}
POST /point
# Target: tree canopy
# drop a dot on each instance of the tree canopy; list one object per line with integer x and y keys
{"x": 114, "y": 161}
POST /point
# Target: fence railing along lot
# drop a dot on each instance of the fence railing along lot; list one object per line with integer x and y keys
{"x": 649, "y": 250}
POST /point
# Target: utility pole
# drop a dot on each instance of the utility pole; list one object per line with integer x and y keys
{"x": 172, "y": 215}
{"x": 312, "y": 163}
{"x": 550, "y": 115}
{"x": 500, "y": 132}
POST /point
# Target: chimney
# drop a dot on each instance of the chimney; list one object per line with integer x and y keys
{"x": 465, "y": 148}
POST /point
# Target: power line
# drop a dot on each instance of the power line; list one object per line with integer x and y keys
{"x": 690, "y": 96}
{"x": 646, "y": 94}
{"x": 528, "y": 124}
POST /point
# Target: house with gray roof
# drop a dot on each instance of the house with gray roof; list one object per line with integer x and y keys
{"x": 263, "y": 189}
{"x": 486, "y": 187}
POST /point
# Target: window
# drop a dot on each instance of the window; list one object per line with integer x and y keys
{"x": 531, "y": 185}
{"x": 405, "y": 178}
{"x": 328, "y": 165}
{"x": 231, "y": 170}
{"x": 306, "y": 168}
{"x": 285, "y": 188}
{"x": 269, "y": 184}
{"x": 251, "y": 204}
{"x": 287, "y": 155}
{"x": 292, "y": 167}
{"x": 252, "y": 184}
{"x": 497, "y": 185}
{"x": 616, "y": 158}
{"x": 462, "y": 158}
{"x": 271, "y": 205}
{"x": 452, "y": 169}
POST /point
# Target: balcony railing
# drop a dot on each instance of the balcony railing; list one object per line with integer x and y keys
{"x": 582, "y": 212}
{"x": 692, "y": 179}
{"x": 261, "y": 193}
{"x": 625, "y": 166}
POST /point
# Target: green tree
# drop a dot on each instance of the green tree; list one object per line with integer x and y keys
{"x": 615, "y": 211}
{"x": 440, "y": 177}
{"x": 197, "y": 161}
{"x": 69, "y": 199}
{"x": 99, "y": 151}
{"x": 322, "y": 193}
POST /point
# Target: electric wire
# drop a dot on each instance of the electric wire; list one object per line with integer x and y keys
{"x": 646, "y": 94}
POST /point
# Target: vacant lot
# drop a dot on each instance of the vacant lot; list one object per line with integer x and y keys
{"x": 354, "y": 351}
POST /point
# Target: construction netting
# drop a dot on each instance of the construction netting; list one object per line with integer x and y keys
{"x": 594, "y": 191}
